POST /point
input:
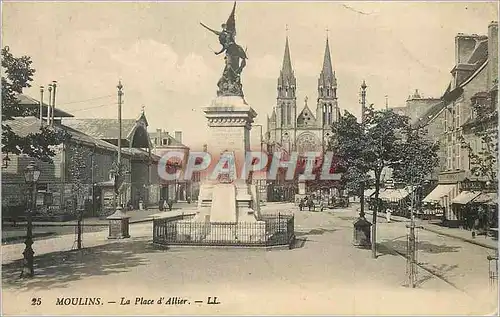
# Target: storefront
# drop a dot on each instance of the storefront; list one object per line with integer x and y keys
{"x": 462, "y": 207}
{"x": 397, "y": 199}
{"x": 485, "y": 207}
{"x": 438, "y": 202}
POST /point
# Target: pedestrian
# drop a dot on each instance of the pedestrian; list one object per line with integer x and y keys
{"x": 310, "y": 204}
{"x": 161, "y": 204}
{"x": 321, "y": 205}
{"x": 301, "y": 204}
{"x": 388, "y": 214}
{"x": 476, "y": 227}
{"x": 170, "y": 204}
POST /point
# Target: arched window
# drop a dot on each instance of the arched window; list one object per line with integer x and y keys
{"x": 282, "y": 119}
{"x": 289, "y": 114}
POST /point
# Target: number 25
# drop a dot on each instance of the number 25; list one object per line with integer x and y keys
{"x": 36, "y": 301}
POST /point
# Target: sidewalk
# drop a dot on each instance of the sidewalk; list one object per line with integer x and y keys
{"x": 457, "y": 233}
{"x": 136, "y": 216}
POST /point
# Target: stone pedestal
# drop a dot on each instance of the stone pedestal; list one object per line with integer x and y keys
{"x": 228, "y": 207}
{"x": 118, "y": 225}
{"x": 302, "y": 188}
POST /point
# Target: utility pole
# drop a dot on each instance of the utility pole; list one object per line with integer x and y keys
{"x": 119, "y": 160}
{"x": 363, "y": 109}
{"x": 41, "y": 106}
{"x": 412, "y": 242}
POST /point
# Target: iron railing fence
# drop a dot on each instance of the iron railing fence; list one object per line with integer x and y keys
{"x": 271, "y": 230}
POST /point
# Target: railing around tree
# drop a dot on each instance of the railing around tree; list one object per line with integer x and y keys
{"x": 271, "y": 230}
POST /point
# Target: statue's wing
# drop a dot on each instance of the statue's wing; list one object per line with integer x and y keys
{"x": 231, "y": 24}
{"x": 211, "y": 30}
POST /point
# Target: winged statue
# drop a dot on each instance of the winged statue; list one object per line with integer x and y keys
{"x": 235, "y": 58}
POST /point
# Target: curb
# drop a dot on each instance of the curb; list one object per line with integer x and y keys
{"x": 484, "y": 245}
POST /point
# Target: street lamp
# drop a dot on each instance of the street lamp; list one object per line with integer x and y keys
{"x": 31, "y": 175}
{"x": 5, "y": 161}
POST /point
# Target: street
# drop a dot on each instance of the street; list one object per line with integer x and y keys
{"x": 323, "y": 274}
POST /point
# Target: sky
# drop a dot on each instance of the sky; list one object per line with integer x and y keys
{"x": 166, "y": 63}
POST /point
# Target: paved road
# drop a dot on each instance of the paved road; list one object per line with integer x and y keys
{"x": 323, "y": 275}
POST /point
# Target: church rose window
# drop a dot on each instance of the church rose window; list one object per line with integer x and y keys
{"x": 307, "y": 143}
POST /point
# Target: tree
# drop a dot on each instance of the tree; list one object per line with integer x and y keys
{"x": 347, "y": 144}
{"x": 418, "y": 157}
{"x": 17, "y": 74}
{"x": 483, "y": 126}
{"x": 386, "y": 141}
{"x": 79, "y": 177}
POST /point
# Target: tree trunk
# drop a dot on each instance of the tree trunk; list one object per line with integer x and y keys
{"x": 362, "y": 200}
{"x": 79, "y": 230}
{"x": 375, "y": 211}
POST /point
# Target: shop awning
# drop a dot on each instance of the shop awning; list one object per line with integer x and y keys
{"x": 439, "y": 192}
{"x": 369, "y": 192}
{"x": 465, "y": 197}
{"x": 393, "y": 195}
{"x": 487, "y": 199}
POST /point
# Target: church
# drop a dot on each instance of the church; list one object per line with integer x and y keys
{"x": 309, "y": 129}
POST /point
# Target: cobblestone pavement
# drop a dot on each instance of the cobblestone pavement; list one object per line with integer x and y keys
{"x": 324, "y": 274}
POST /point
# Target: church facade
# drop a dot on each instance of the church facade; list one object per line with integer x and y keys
{"x": 308, "y": 128}
{"x": 300, "y": 128}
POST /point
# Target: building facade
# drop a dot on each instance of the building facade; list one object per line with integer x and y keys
{"x": 307, "y": 129}
{"x": 474, "y": 79}
{"x": 179, "y": 189}
{"x": 310, "y": 128}
{"x": 82, "y": 173}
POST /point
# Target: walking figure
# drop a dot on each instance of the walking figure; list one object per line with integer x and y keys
{"x": 388, "y": 214}
{"x": 310, "y": 204}
{"x": 301, "y": 204}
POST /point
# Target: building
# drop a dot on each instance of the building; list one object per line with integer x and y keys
{"x": 142, "y": 181}
{"x": 474, "y": 80}
{"x": 179, "y": 189}
{"x": 56, "y": 192}
{"x": 309, "y": 129}
{"x": 416, "y": 106}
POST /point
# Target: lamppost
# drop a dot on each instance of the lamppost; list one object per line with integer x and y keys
{"x": 118, "y": 221}
{"x": 363, "y": 119}
{"x": 5, "y": 160}
{"x": 31, "y": 175}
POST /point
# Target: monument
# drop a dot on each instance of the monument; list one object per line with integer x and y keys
{"x": 228, "y": 205}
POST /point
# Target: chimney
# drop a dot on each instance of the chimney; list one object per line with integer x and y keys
{"x": 464, "y": 46}
{"x": 492, "y": 54}
{"x": 41, "y": 106}
{"x": 178, "y": 136}
{"x": 54, "y": 85}
{"x": 49, "y": 107}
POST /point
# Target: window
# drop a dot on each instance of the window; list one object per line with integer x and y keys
{"x": 445, "y": 119}
{"x": 282, "y": 119}
{"x": 448, "y": 158}
{"x": 289, "y": 114}
{"x": 457, "y": 156}
{"x": 457, "y": 115}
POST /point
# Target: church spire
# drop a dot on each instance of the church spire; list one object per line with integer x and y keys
{"x": 327, "y": 70}
{"x": 287, "y": 61}
{"x": 327, "y": 109}
{"x": 286, "y": 80}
